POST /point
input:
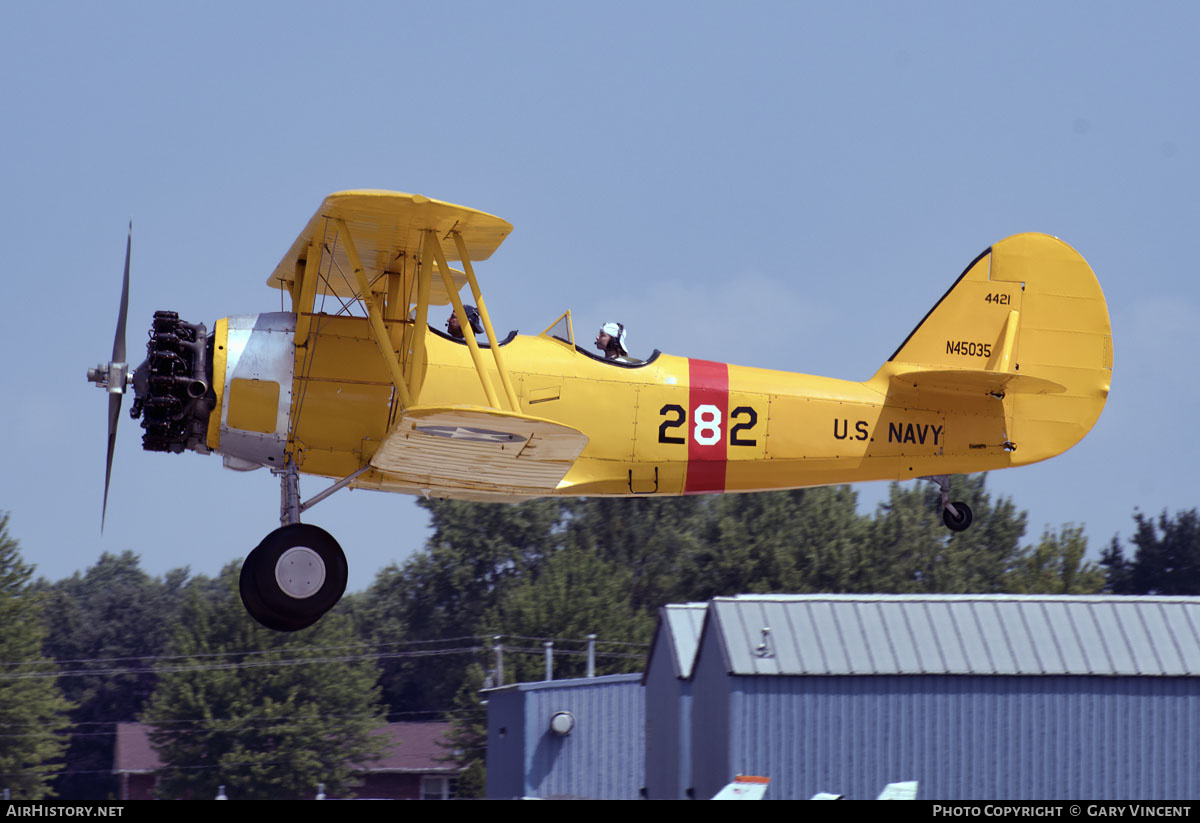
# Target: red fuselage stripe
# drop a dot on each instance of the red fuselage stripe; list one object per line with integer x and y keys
{"x": 709, "y": 391}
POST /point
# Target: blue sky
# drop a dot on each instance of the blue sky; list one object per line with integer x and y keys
{"x": 786, "y": 185}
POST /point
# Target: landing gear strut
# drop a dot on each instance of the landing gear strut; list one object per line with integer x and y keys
{"x": 297, "y": 573}
{"x": 957, "y": 515}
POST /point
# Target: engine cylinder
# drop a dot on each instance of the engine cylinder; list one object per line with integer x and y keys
{"x": 172, "y": 387}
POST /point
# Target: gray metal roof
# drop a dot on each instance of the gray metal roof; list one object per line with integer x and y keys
{"x": 682, "y": 623}
{"x": 958, "y": 634}
{"x": 566, "y": 683}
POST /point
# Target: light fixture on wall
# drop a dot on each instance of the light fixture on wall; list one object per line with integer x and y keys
{"x": 562, "y": 723}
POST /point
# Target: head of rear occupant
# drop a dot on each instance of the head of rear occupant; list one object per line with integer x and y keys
{"x": 455, "y": 328}
{"x": 611, "y": 340}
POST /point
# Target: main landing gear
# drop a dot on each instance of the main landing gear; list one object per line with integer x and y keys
{"x": 297, "y": 573}
{"x": 957, "y": 515}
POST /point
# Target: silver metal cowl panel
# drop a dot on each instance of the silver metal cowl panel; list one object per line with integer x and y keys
{"x": 259, "y": 347}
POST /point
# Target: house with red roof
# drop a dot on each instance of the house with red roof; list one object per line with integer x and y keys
{"x": 413, "y": 767}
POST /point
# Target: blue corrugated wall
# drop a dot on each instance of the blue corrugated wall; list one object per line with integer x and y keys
{"x": 962, "y": 737}
{"x": 603, "y": 758}
{"x": 506, "y": 743}
{"x": 668, "y": 731}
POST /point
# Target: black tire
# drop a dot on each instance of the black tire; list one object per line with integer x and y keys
{"x": 960, "y": 523}
{"x": 254, "y": 604}
{"x": 297, "y": 573}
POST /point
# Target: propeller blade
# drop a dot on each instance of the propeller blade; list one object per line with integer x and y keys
{"x": 119, "y": 341}
{"x": 114, "y": 375}
{"x": 114, "y": 414}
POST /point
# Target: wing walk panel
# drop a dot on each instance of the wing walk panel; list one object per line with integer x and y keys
{"x": 465, "y": 447}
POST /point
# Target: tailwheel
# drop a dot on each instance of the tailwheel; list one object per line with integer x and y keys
{"x": 296, "y": 574}
{"x": 957, "y": 516}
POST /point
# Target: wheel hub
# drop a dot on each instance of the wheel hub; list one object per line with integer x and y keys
{"x": 300, "y": 572}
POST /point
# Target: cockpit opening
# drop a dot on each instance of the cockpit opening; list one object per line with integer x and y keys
{"x": 563, "y": 330}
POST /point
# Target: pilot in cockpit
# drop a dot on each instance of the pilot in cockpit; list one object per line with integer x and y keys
{"x": 611, "y": 341}
{"x": 455, "y": 328}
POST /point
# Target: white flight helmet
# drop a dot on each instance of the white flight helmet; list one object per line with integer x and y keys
{"x": 617, "y": 332}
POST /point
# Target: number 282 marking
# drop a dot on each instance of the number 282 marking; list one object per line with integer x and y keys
{"x": 706, "y": 428}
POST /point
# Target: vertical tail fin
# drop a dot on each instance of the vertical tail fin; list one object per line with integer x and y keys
{"x": 1026, "y": 319}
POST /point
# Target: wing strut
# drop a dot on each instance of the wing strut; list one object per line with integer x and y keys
{"x": 432, "y": 242}
{"x": 416, "y": 368}
{"x": 487, "y": 321}
{"x": 304, "y": 292}
{"x": 382, "y": 338}
{"x": 407, "y": 383}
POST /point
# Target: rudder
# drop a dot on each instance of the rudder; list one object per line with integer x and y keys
{"x": 1028, "y": 307}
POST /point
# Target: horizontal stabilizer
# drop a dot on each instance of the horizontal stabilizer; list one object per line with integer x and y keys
{"x": 976, "y": 381}
{"x": 473, "y": 448}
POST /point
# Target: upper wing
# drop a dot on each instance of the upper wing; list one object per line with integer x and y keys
{"x": 386, "y": 226}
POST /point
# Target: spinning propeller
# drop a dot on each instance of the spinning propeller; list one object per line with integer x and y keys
{"x": 114, "y": 376}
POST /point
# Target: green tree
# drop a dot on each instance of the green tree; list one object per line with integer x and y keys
{"x": 1118, "y": 570}
{"x": 33, "y": 712}
{"x": 109, "y": 626}
{"x": 829, "y": 535}
{"x": 468, "y": 736}
{"x": 443, "y": 593}
{"x": 647, "y": 536}
{"x": 1166, "y": 556}
{"x": 802, "y": 540}
{"x": 576, "y": 594}
{"x": 1056, "y": 566}
{"x": 910, "y": 550}
{"x": 266, "y": 714}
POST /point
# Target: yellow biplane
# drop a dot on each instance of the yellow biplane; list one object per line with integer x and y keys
{"x": 1011, "y": 366}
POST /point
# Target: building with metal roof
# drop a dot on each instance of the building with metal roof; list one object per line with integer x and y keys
{"x": 976, "y": 696}
{"x": 579, "y": 738}
{"x": 669, "y": 700}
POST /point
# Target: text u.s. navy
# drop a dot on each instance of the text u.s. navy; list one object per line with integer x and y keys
{"x": 898, "y": 432}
